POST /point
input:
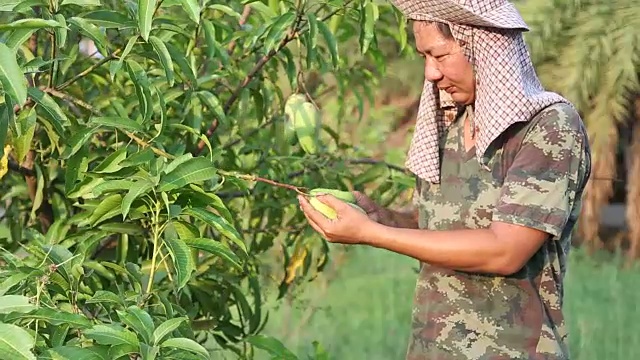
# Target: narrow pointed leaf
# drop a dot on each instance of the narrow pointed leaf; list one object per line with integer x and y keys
{"x": 165, "y": 58}
{"x": 166, "y": 328}
{"x": 215, "y": 248}
{"x": 30, "y": 23}
{"x": 70, "y": 353}
{"x": 332, "y": 45}
{"x": 52, "y": 110}
{"x": 186, "y": 344}
{"x": 182, "y": 260}
{"x": 192, "y": 8}
{"x": 218, "y": 223}
{"x": 191, "y": 171}
{"x": 111, "y": 335}
{"x": 18, "y": 303}
{"x": 11, "y": 79}
{"x": 146, "y": 9}
{"x": 141, "y": 187}
{"x": 116, "y": 122}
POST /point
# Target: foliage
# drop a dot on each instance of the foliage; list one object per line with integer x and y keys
{"x": 147, "y": 190}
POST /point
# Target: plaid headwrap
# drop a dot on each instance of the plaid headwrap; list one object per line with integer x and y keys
{"x": 507, "y": 88}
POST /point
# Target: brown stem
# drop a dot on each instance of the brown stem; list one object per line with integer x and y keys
{"x": 246, "y": 11}
{"x": 88, "y": 70}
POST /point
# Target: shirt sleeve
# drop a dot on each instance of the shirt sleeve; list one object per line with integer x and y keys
{"x": 546, "y": 176}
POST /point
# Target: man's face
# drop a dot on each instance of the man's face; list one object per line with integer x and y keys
{"x": 445, "y": 63}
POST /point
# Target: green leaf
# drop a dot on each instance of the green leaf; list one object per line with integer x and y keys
{"x": 146, "y": 8}
{"x": 104, "y": 297}
{"x": 91, "y": 31}
{"x": 112, "y": 162}
{"x": 277, "y": 31}
{"x": 109, "y": 207}
{"x": 141, "y": 157}
{"x": 192, "y": 8}
{"x": 16, "y": 343}
{"x": 25, "y": 127}
{"x": 115, "y": 66}
{"x": 116, "y": 122}
{"x": 149, "y": 352}
{"x": 191, "y": 171}
{"x": 216, "y": 248}
{"x": 140, "y": 187}
{"x": 186, "y": 344}
{"x": 70, "y": 353}
{"x": 12, "y": 280}
{"x": 139, "y": 320}
{"x": 368, "y": 19}
{"x": 212, "y": 102}
{"x": 81, "y": 2}
{"x": 77, "y": 141}
{"x": 166, "y": 328}
{"x": 272, "y": 345}
{"x": 225, "y": 9}
{"x": 165, "y": 58}
{"x": 30, "y": 23}
{"x": 182, "y": 260}
{"x": 331, "y": 42}
{"x": 141, "y": 81}
{"x": 52, "y": 110}
{"x": 11, "y": 79}
{"x": 218, "y": 223}
{"x": 109, "y": 19}
{"x": 181, "y": 60}
{"x": 19, "y": 303}
{"x": 61, "y": 32}
{"x": 111, "y": 334}
{"x": 53, "y": 317}
{"x": 18, "y": 37}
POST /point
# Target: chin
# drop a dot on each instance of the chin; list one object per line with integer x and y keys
{"x": 462, "y": 98}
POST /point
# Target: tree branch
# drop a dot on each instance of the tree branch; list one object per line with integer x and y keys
{"x": 88, "y": 70}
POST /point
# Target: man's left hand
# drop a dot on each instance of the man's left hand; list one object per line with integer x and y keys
{"x": 350, "y": 227}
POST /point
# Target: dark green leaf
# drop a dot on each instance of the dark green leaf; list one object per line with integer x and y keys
{"x": 216, "y": 248}
{"x": 92, "y": 32}
{"x": 192, "y": 8}
{"x": 331, "y": 42}
{"x": 186, "y": 344}
{"x": 272, "y": 345}
{"x": 109, "y": 207}
{"x": 18, "y": 303}
{"x": 116, "y": 122}
{"x": 70, "y": 353}
{"x": 218, "y": 223}
{"x": 146, "y": 8}
{"x": 166, "y": 328}
{"x": 52, "y": 110}
{"x": 111, "y": 334}
{"x": 165, "y": 58}
{"x": 139, "y": 320}
{"x": 11, "y": 79}
{"x": 30, "y": 23}
{"x": 138, "y": 189}
{"x": 191, "y": 171}
{"x": 182, "y": 260}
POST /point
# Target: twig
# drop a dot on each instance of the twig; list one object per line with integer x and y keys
{"x": 246, "y": 11}
{"x": 21, "y": 169}
{"x": 88, "y": 70}
{"x": 264, "y": 180}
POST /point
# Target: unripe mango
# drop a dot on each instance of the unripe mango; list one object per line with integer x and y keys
{"x": 323, "y": 208}
{"x": 346, "y": 196}
{"x": 291, "y": 107}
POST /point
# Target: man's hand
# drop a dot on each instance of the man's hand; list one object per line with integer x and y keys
{"x": 384, "y": 216}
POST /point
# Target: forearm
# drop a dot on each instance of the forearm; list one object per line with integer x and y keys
{"x": 465, "y": 250}
{"x": 397, "y": 219}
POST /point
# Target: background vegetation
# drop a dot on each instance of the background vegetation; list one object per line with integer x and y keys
{"x": 149, "y": 211}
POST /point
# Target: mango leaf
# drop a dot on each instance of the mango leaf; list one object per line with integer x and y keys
{"x": 53, "y": 317}
{"x": 192, "y": 8}
{"x": 109, "y": 207}
{"x": 52, "y": 110}
{"x": 218, "y": 223}
{"x": 271, "y": 345}
{"x": 70, "y": 353}
{"x": 146, "y": 8}
{"x": 109, "y": 19}
{"x": 111, "y": 334}
{"x": 225, "y": 9}
{"x": 16, "y": 343}
{"x": 186, "y": 344}
{"x": 166, "y": 328}
{"x": 141, "y": 187}
{"x": 181, "y": 60}
{"x": 216, "y": 248}
{"x": 61, "y": 32}
{"x": 116, "y": 122}
{"x": 213, "y": 103}
{"x": 115, "y": 66}
{"x": 19, "y": 303}
{"x": 30, "y": 23}
{"x": 165, "y": 58}
{"x": 182, "y": 260}
{"x": 18, "y": 37}
{"x": 332, "y": 45}
{"x": 139, "y": 320}
{"x": 192, "y": 170}
{"x": 105, "y": 297}
{"x": 81, "y": 2}
{"x": 278, "y": 30}
{"x": 11, "y": 79}
{"x": 92, "y": 32}
{"x": 25, "y": 127}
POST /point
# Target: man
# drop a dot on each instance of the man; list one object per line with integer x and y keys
{"x": 501, "y": 165}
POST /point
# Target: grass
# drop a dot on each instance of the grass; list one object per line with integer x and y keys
{"x": 364, "y": 312}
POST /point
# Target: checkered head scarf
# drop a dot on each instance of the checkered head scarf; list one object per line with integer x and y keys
{"x": 507, "y": 88}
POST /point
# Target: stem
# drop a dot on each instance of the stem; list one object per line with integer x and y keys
{"x": 156, "y": 249}
{"x": 88, "y": 70}
{"x": 54, "y": 48}
{"x": 261, "y": 179}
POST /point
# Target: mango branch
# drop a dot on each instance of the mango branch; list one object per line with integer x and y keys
{"x": 254, "y": 178}
{"x": 89, "y": 70}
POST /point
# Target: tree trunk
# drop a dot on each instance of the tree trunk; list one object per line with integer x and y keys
{"x": 598, "y": 191}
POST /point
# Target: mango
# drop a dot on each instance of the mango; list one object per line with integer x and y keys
{"x": 291, "y": 108}
{"x": 323, "y": 208}
{"x": 346, "y": 196}
{"x": 307, "y": 121}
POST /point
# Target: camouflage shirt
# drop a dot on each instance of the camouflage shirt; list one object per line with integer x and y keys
{"x": 461, "y": 315}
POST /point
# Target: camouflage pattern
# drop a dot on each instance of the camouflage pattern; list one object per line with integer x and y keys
{"x": 461, "y": 315}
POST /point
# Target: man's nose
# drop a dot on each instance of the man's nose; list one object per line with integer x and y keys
{"x": 431, "y": 71}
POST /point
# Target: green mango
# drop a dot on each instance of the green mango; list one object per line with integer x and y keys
{"x": 346, "y": 196}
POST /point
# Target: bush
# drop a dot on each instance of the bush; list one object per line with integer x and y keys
{"x": 147, "y": 187}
